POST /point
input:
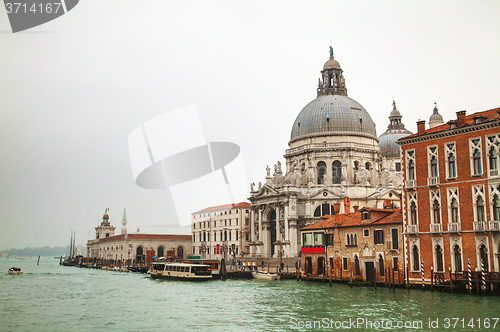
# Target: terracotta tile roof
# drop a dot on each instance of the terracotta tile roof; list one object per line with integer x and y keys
{"x": 224, "y": 207}
{"x": 489, "y": 115}
{"x": 354, "y": 219}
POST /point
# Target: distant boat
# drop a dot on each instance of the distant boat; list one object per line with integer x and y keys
{"x": 15, "y": 270}
{"x": 21, "y": 258}
{"x": 265, "y": 275}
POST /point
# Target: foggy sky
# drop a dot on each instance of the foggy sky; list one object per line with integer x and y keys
{"x": 72, "y": 90}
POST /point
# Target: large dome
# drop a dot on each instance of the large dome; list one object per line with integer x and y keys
{"x": 330, "y": 115}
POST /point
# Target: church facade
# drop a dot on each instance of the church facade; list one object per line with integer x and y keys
{"x": 334, "y": 156}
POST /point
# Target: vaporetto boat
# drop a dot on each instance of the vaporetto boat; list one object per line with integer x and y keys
{"x": 180, "y": 271}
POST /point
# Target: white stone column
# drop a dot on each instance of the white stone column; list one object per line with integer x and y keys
{"x": 252, "y": 226}
{"x": 278, "y": 232}
{"x": 286, "y": 222}
{"x": 260, "y": 224}
{"x": 293, "y": 238}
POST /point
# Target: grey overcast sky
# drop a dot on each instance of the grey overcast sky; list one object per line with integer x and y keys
{"x": 72, "y": 91}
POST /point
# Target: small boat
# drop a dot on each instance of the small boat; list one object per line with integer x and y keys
{"x": 180, "y": 271}
{"x": 265, "y": 275}
{"x": 15, "y": 270}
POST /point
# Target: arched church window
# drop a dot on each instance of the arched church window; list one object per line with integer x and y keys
{"x": 321, "y": 171}
{"x": 337, "y": 172}
{"x": 323, "y": 210}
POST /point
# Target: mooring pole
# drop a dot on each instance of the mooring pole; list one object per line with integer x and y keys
{"x": 432, "y": 279}
{"x": 375, "y": 276}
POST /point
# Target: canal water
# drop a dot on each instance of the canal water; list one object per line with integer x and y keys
{"x": 49, "y": 297}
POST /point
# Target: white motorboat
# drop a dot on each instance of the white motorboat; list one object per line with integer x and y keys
{"x": 15, "y": 270}
{"x": 265, "y": 275}
{"x": 180, "y": 271}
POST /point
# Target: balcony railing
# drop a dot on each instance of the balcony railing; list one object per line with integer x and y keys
{"x": 410, "y": 184}
{"x": 436, "y": 228}
{"x": 392, "y": 245}
{"x": 493, "y": 172}
{"x": 413, "y": 229}
{"x": 480, "y": 226}
{"x": 433, "y": 181}
{"x": 454, "y": 227}
{"x": 494, "y": 225}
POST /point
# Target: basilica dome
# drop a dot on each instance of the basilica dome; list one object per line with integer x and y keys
{"x": 332, "y": 114}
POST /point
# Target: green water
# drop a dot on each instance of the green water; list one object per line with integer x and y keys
{"x": 49, "y": 297}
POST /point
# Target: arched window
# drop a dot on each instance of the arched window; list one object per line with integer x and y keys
{"x": 356, "y": 165}
{"x": 411, "y": 170}
{"x": 357, "y": 272}
{"x": 323, "y": 210}
{"x": 457, "y": 253}
{"x": 413, "y": 213}
{"x": 484, "y": 256}
{"x": 204, "y": 236}
{"x": 480, "y": 208}
{"x": 496, "y": 208}
{"x": 452, "y": 167}
{"x": 337, "y": 172}
{"x": 493, "y": 158}
{"x": 321, "y": 171}
{"x": 381, "y": 266}
{"x": 477, "y": 162}
{"x": 416, "y": 262}
{"x": 348, "y": 240}
{"x": 367, "y": 166}
{"x": 436, "y": 209}
{"x": 439, "y": 258}
{"x": 454, "y": 210}
{"x": 434, "y": 166}
{"x": 160, "y": 251}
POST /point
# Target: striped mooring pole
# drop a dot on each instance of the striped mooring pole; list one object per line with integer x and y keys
{"x": 483, "y": 277}
{"x": 422, "y": 270}
{"x": 469, "y": 276}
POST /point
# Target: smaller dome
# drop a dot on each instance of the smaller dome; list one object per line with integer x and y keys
{"x": 331, "y": 64}
{"x": 387, "y": 142}
{"x": 436, "y": 119}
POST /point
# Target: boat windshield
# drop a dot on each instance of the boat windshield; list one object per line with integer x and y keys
{"x": 159, "y": 267}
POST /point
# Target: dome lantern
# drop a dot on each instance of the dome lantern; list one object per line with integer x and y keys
{"x": 332, "y": 82}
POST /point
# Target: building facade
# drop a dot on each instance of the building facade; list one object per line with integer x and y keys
{"x": 334, "y": 157}
{"x": 366, "y": 242}
{"x": 452, "y": 195}
{"x": 134, "y": 246}
{"x": 221, "y": 232}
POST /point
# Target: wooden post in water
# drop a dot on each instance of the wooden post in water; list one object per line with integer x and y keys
{"x": 477, "y": 282}
{"x": 351, "y": 276}
{"x": 331, "y": 275}
{"x": 375, "y": 276}
{"x": 38, "y": 262}
{"x": 407, "y": 279}
{"x": 451, "y": 280}
{"x": 393, "y": 288}
{"x": 385, "y": 277}
{"x": 432, "y": 279}
{"x": 423, "y": 279}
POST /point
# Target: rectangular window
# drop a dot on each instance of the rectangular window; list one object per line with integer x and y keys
{"x": 247, "y": 237}
{"x": 236, "y": 235}
{"x": 378, "y": 237}
{"x": 345, "y": 267}
{"x": 366, "y": 232}
{"x": 307, "y": 239}
{"x": 395, "y": 263}
{"x": 329, "y": 240}
{"x": 395, "y": 238}
{"x": 318, "y": 239}
{"x": 331, "y": 262}
{"x": 398, "y": 167}
{"x": 365, "y": 216}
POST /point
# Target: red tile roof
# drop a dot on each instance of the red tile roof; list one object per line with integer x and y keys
{"x": 354, "y": 219}
{"x": 489, "y": 115}
{"x": 224, "y": 207}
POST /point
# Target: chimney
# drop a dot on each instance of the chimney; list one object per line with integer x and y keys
{"x": 420, "y": 127}
{"x": 387, "y": 204}
{"x": 336, "y": 207}
{"x": 347, "y": 205}
{"x": 461, "y": 118}
{"x": 355, "y": 207}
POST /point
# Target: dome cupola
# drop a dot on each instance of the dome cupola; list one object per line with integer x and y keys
{"x": 395, "y": 130}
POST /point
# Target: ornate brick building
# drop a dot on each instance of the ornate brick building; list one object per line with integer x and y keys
{"x": 451, "y": 198}
{"x": 361, "y": 241}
